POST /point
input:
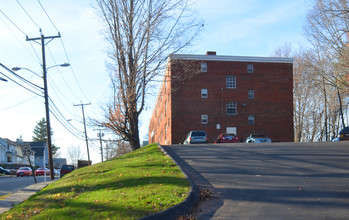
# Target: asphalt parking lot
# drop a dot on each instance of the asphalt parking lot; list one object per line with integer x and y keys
{"x": 269, "y": 181}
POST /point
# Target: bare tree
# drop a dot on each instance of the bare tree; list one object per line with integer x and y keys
{"x": 74, "y": 154}
{"x": 142, "y": 34}
{"x": 116, "y": 148}
{"x": 327, "y": 30}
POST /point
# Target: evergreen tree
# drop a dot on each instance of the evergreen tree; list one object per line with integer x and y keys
{"x": 40, "y": 134}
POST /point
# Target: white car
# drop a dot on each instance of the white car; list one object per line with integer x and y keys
{"x": 257, "y": 138}
{"x": 194, "y": 137}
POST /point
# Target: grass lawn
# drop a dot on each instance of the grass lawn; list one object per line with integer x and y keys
{"x": 129, "y": 187}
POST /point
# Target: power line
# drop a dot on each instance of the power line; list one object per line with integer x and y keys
{"x": 48, "y": 16}
{"x": 12, "y": 22}
{"x": 37, "y": 57}
{"x": 18, "y": 104}
{"x": 28, "y": 14}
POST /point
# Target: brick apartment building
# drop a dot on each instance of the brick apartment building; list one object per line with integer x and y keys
{"x": 224, "y": 94}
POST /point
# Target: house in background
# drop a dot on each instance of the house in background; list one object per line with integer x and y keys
{"x": 3, "y": 158}
{"x": 224, "y": 94}
{"x": 13, "y": 152}
{"x": 40, "y": 149}
{"x": 59, "y": 162}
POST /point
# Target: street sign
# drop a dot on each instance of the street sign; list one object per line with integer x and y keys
{"x": 27, "y": 151}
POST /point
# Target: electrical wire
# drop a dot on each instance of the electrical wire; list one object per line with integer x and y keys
{"x": 65, "y": 82}
{"x": 6, "y": 108}
{"x": 22, "y": 79}
{"x": 48, "y": 16}
{"x": 13, "y": 22}
{"x": 41, "y": 95}
{"x": 71, "y": 67}
{"x": 59, "y": 114}
{"x": 28, "y": 14}
{"x": 37, "y": 57}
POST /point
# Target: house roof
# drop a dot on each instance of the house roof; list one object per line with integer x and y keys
{"x": 231, "y": 58}
{"x": 37, "y": 146}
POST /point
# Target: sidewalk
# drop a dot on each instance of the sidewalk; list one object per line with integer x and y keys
{"x": 21, "y": 195}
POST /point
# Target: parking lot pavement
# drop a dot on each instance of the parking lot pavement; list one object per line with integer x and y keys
{"x": 269, "y": 181}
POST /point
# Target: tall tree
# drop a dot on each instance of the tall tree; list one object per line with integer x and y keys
{"x": 40, "y": 134}
{"x": 327, "y": 29}
{"x": 142, "y": 34}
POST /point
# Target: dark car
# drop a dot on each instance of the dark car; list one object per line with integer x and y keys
{"x": 24, "y": 171}
{"x": 196, "y": 137}
{"x": 227, "y": 138}
{"x": 4, "y": 171}
{"x": 344, "y": 134}
{"x": 66, "y": 169}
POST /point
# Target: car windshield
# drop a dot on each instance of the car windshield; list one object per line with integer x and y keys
{"x": 24, "y": 168}
{"x": 198, "y": 133}
{"x": 68, "y": 168}
{"x": 258, "y": 136}
{"x": 345, "y": 130}
{"x": 228, "y": 135}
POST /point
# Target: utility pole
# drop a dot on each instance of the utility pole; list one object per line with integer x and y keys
{"x": 100, "y": 135}
{"x": 42, "y": 38}
{"x": 83, "y": 116}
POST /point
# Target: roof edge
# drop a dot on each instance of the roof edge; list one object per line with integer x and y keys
{"x": 231, "y": 58}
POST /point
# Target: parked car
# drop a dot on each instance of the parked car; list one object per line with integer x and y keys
{"x": 257, "y": 138}
{"x": 4, "y": 171}
{"x": 196, "y": 137}
{"x": 24, "y": 171}
{"x": 226, "y": 138}
{"x": 40, "y": 171}
{"x": 66, "y": 169}
{"x": 56, "y": 172}
{"x": 344, "y": 134}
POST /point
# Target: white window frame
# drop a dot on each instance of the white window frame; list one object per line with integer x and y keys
{"x": 204, "y": 119}
{"x": 230, "y": 82}
{"x": 204, "y": 67}
{"x": 250, "y": 94}
{"x": 251, "y": 119}
{"x": 231, "y": 108}
{"x": 250, "y": 68}
{"x": 204, "y": 93}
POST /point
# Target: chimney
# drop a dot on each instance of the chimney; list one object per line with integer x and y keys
{"x": 211, "y": 53}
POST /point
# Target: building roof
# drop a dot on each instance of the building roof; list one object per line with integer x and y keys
{"x": 231, "y": 58}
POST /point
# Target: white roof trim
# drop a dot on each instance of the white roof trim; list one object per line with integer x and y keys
{"x": 232, "y": 58}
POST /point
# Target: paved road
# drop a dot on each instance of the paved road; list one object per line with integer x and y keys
{"x": 11, "y": 184}
{"x": 270, "y": 181}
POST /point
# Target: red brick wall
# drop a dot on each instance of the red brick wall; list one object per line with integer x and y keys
{"x": 272, "y": 105}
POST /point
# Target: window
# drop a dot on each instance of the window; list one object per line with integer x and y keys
{"x": 204, "y": 119}
{"x": 204, "y": 93}
{"x": 251, "y": 119}
{"x": 250, "y": 68}
{"x": 231, "y": 82}
{"x": 250, "y": 94}
{"x": 231, "y": 108}
{"x": 203, "y": 67}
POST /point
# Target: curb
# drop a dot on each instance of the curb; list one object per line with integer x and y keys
{"x": 182, "y": 208}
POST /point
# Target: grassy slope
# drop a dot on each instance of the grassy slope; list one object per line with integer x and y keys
{"x": 129, "y": 187}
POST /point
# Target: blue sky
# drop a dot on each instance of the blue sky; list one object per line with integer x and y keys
{"x": 232, "y": 27}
